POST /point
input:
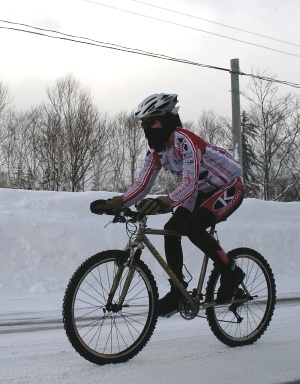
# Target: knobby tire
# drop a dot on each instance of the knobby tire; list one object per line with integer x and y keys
{"x": 256, "y": 313}
{"x": 105, "y": 336}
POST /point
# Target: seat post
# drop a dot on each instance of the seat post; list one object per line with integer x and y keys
{"x": 212, "y": 230}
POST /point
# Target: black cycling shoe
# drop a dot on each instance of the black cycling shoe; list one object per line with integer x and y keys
{"x": 230, "y": 280}
{"x": 169, "y": 303}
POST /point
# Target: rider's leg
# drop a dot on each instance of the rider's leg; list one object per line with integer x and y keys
{"x": 195, "y": 229}
{"x": 173, "y": 250}
{"x": 217, "y": 208}
{"x": 231, "y": 275}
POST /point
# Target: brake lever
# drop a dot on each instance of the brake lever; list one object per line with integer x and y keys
{"x": 116, "y": 219}
{"x": 121, "y": 216}
{"x": 119, "y": 219}
{"x": 138, "y": 216}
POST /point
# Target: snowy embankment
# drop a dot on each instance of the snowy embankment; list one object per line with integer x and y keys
{"x": 45, "y": 236}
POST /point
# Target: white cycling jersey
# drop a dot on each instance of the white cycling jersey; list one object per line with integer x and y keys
{"x": 200, "y": 166}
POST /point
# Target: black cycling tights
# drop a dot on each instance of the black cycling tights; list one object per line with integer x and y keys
{"x": 194, "y": 225}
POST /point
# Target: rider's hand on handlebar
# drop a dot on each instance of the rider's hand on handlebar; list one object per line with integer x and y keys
{"x": 151, "y": 206}
{"x": 113, "y": 204}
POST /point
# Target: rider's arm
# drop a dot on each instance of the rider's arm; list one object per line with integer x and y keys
{"x": 144, "y": 181}
{"x": 190, "y": 155}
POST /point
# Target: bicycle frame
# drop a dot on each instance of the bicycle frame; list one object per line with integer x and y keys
{"x": 142, "y": 240}
{"x": 135, "y": 247}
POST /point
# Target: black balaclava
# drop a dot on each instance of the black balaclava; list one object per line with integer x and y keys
{"x": 158, "y": 137}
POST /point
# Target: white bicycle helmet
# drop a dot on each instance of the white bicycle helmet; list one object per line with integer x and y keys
{"x": 157, "y": 105}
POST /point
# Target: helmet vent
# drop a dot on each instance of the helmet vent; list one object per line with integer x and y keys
{"x": 157, "y": 105}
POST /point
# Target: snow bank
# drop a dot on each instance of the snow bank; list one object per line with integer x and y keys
{"x": 45, "y": 236}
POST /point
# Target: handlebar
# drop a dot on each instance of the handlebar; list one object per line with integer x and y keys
{"x": 121, "y": 215}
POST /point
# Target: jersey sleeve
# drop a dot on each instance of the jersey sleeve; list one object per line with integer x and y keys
{"x": 144, "y": 180}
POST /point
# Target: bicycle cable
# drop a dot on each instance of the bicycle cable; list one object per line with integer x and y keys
{"x": 131, "y": 229}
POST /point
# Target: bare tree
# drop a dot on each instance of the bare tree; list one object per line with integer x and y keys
{"x": 215, "y": 129}
{"x": 135, "y": 144}
{"x": 249, "y": 171}
{"x": 5, "y": 98}
{"x": 73, "y": 133}
{"x": 116, "y": 155}
{"x": 276, "y": 120}
{"x": 100, "y": 166}
{"x": 8, "y": 146}
{"x": 127, "y": 147}
{"x": 5, "y": 110}
{"x": 20, "y": 149}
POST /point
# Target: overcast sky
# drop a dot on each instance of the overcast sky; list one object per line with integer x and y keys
{"x": 119, "y": 81}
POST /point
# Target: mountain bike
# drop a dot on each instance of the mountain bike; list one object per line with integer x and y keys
{"x": 110, "y": 307}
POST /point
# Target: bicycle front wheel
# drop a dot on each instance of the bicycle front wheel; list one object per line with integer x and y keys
{"x": 243, "y": 323}
{"x": 103, "y": 333}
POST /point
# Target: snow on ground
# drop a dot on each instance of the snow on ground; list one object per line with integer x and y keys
{"x": 179, "y": 352}
{"x": 46, "y": 235}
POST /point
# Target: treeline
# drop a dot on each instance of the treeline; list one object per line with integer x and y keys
{"x": 68, "y": 144}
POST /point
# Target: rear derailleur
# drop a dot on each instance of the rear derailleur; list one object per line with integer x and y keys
{"x": 240, "y": 295}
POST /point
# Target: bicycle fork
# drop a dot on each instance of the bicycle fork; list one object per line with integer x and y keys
{"x": 116, "y": 282}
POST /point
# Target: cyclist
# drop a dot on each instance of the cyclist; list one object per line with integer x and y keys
{"x": 210, "y": 190}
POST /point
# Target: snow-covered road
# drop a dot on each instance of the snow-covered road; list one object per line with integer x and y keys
{"x": 34, "y": 350}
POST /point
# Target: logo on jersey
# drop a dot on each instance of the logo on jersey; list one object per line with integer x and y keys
{"x": 225, "y": 199}
{"x": 182, "y": 144}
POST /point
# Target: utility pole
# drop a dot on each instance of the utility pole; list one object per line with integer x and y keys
{"x": 236, "y": 111}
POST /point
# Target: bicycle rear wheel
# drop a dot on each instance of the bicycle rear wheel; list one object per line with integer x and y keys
{"x": 251, "y": 317}
{"x": 106, "y": 334}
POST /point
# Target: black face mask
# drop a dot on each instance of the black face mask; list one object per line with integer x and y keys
{"x": 157, "y": 137}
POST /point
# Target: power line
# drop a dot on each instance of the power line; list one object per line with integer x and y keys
{"x": 88, "y": 41}
{"x": 215, "y": 22}
{"x": 100, "y": 43}
{"x": 192, "y": 28}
